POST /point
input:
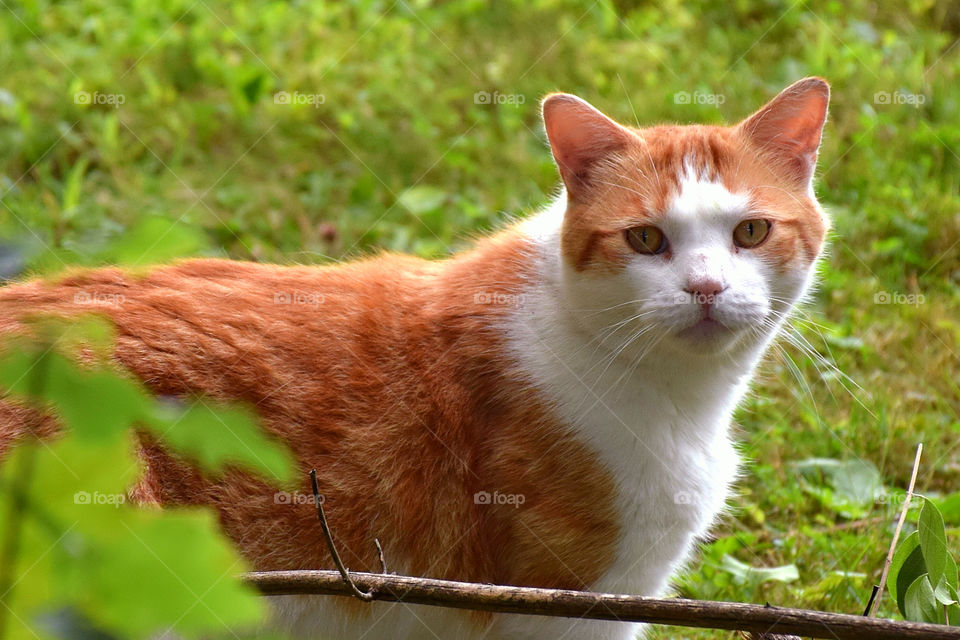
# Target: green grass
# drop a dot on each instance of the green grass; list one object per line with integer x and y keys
{"x": 400, "y": 156}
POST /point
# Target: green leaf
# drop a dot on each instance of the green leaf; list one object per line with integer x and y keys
{"x": 18, "y": 366}
{"x": 933, "y": 540}
{"x": 950, "y": 573}
{"x": 906, "y": 567}
{"x": 95, "y": 404}
{"x": 215, "y": 435}
{"x": 132, "y": 571}
{"x": 745, "y": 574}
{"x": 854, "y": 482}
{"x": 196, "y": 590}
{"x": 944, "y": 593}
{"x": 422, "y": 199}
{"x": 920, "y": 603}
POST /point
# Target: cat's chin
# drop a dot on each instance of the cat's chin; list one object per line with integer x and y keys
{"x": 707, "y": 337}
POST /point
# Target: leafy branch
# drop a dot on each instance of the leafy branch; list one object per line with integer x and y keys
{"x": 80, "y": 555}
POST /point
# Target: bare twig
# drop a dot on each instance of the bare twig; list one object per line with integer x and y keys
{"x": 896, "y": 533}
{"x": 598, "y": 606}
{"x": 383, "y": 563}
{"x": 366, "y": 596}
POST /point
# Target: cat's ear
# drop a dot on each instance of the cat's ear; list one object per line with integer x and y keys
{"x": 789, "y": 127}
{"x": 580, "y": 137}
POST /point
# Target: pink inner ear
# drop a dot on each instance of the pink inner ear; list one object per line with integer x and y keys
{"x": 790, "y": 126}
{"x": 580, "y": 136}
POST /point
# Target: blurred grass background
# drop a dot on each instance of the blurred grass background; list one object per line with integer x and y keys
{"x": 309, "y": 132}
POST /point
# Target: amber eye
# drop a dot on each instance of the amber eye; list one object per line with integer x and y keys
{"x": 646, "y": 240}
{"x": 751, "y": 233}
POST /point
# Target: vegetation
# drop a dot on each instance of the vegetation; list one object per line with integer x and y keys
{"x": 308, "y": 132}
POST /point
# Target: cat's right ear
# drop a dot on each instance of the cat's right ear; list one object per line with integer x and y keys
{"x": 580, "y": 138}
{"x": 790, "y": 126}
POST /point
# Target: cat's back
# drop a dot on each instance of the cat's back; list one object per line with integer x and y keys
{"x": 186, "y": 326}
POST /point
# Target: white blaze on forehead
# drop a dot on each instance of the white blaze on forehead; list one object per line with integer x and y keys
{"x": 699, "y": 195}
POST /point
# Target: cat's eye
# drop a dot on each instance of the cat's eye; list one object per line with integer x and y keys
{"x": 751, "y": 233}
{"x": 646, "y": 240}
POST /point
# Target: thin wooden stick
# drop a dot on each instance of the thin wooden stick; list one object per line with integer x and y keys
{"x": 896, "y": 533}
{"x": 366, "y": 596}
{"x": 383, "y": 563}
{"x": 600, "y": 606}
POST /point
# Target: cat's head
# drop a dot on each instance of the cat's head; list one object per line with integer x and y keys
{"x": 696, "y": 237}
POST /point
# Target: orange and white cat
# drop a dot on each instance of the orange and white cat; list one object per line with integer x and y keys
{"x": 551, "y": 408}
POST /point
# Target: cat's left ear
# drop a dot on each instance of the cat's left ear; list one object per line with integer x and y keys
{"x": 580, "y": 137}
{"x": 790, "y": 126}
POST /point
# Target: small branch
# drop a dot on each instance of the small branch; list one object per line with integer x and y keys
{"x": 896, "y": 533}
{"x": 366, "y": 596}
{"x": 383, "y": 563}
{"x": 600, "y": 606}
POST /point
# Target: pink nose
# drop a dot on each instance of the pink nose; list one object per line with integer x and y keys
{"x": 704, "y": 289}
